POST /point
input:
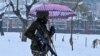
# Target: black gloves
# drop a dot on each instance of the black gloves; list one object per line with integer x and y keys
{"x": 52, "y": 30}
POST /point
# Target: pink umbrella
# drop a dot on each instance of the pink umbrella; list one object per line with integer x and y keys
{"x": 55, "y": 11}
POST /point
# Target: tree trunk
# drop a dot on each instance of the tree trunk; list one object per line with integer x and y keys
{"x": 1, "y": 29}
{"x": 23, "y": 38}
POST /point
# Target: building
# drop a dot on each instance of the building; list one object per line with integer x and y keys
{"x": 10, "y": 20}
{"x": 12, "y": 23}
{"x": 98, "y": 10}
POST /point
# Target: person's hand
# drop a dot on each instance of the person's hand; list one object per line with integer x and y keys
{"x": 52, "y": 30}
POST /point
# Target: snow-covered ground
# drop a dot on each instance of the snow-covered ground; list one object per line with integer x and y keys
{"x": 11, "y": 45}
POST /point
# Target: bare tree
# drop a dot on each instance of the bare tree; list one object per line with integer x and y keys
{"x": 23, "y": 20}
{"x": 71, "y": 36}
{"x": 1, "y": 19}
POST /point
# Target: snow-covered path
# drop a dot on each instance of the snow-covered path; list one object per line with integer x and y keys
{"x": 11, "y": 45}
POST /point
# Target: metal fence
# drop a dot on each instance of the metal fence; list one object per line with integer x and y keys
{"x": 63, "y": 26}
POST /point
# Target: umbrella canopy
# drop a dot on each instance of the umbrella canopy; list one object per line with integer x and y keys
{"x": 55, "y": 11}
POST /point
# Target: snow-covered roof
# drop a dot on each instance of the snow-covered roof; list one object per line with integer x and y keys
{"x": 12, "y": 16}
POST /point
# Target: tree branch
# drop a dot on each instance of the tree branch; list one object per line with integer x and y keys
{"x": 1, "y": 15}
{"x": 17, "y": 12}
{"x": 76, "y": 5}
{"x": 28, "y": 7}
{"x": 12, "y": 5}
